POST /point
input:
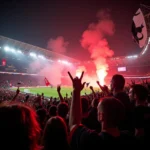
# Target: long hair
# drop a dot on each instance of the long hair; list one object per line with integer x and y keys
{"x": 55, "y": 134}
{"x": 19, "y": 128}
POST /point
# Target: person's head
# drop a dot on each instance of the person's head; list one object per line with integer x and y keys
{"x": 53, "y": 111}
{"x": 85, "y": 105}
{"x": 55, "y": 134}
{"x": 19, "y": 128}
{"x": 117, "y": 82}
{"x": 63, "y": 109}
{"x": 42, "y": 116}
{"x": 95, "y": 102}
{"x": 110, "y": 112}
{"x": 139, "y": 93}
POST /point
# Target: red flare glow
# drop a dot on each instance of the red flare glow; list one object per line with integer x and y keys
{"x": 101, "y": 73}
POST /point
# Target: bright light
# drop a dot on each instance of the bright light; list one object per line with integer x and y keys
{"x": 101, "y": 73}
{"x": 64, "y": 62}
{"x": 78, "y": 73}
{"x": 6, "y": 48}
{"x": 146, "y": 47}
{"x": 33, "y": 54}
{"x": 149, "y": 40}
{"x": 12, "y": 50}
{"x": 134, "y": 56}
{"x": 19, "y": 51}
{"x": 40, "y": 56}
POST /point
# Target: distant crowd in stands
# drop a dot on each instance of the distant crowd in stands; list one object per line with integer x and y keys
{"x": 110, "y": 118}
{"x": 9, "y": 80}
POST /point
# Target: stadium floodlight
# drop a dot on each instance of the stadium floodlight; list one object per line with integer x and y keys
{"x": 33, "y": 54}
{"x": 40, "y": 56}
{"x": 64, "y": 62}
{"x": 6, "y": 48}
{"x": 19, "y": 51}
{"x": 13, "y": 50}
{"x": 134, "y": 56}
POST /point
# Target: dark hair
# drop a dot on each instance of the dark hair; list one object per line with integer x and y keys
{"x": 85, "y": 104}
{"x": 118, "y": 81}
{"x": 19, "y": 128}
{"x": 53, "y": 110}
{"x": 95, "y": 102}
{"x": 55, "y": 134}
{"x": 140, "y": 91}
{"x": 113, "y": 109}
{"x": 42, "y": 116}
{"x": 62, "y": 109}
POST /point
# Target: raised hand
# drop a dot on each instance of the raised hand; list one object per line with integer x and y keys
{"x": 66, "y": 95}
{"x": 103, "y": 88}
{"x": 58, "y": 88}
{"x": 91, "y": 87}
{"x": 129, "y": 84}
{"x": 98, "y": 83}
{"x": 77, "y": 85}
{"x": 133, "y": 82}
{"x": 17, "y": 91}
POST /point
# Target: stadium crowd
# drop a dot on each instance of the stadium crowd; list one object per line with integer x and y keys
{"x": 9, "y": 80}
{"x": 110, "y": 118}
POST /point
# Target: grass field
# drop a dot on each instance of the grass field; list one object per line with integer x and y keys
{"x": 52, "y": 91}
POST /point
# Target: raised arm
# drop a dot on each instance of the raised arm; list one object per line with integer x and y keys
{"x": 75, "y": 108}
{"x": 91, "y": 87}
{"x": 17, "y": 93}
{"x": 59, "y": 93}
{"x": 104, "y": 89}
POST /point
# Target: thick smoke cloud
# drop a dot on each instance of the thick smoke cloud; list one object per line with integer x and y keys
{"x": 53, "y": 73}
{"x": 51, "y": 70}
{"x": 58, "y": 45}
{"x": 94, "y": 39}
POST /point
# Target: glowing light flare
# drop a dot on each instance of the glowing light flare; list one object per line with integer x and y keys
{"x": 78, "y": 73}
{"x": 101, "y": 73}
{"x": 33, "y": 54}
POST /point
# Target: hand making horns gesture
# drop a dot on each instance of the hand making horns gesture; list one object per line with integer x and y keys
{"x": 77, "y": 85}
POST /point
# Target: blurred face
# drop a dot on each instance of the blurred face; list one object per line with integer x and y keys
{"x": 131, "y": 95}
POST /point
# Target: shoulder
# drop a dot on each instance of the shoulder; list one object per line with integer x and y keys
{"x": 82, "y": 137}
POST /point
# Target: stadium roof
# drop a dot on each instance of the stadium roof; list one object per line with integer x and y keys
{"x": 26, "y": 48}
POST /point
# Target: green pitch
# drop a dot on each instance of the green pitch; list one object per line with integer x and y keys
{"x": 48, "y": 92}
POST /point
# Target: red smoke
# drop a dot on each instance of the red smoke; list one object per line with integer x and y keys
{"x": 58, "y": 45}
{"x": 51, "y": 70}
{"x": 94, "y": 40}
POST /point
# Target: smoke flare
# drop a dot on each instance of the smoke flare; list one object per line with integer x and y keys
{"x": 58, "y": 45}
{"x": 94, "y": 39}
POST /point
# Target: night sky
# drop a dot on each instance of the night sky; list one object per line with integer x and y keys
{"x": 35, "y": 22}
